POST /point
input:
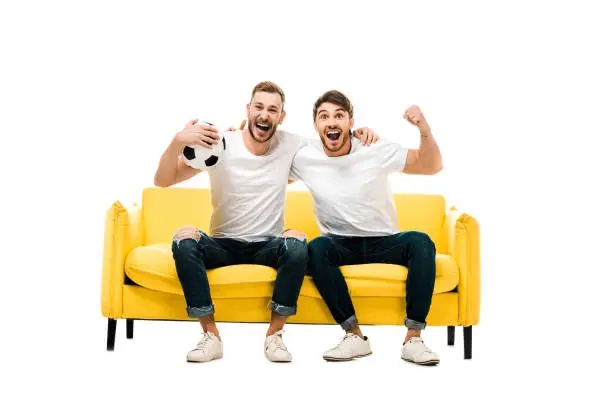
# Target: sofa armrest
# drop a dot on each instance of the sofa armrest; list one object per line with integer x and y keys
{"x": 122, "y": 233}
{"x": 463, "y": 235}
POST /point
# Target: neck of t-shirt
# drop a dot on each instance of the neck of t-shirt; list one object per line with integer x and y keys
{"x": 346, "y": 149}
{"x": 256, "y": 148}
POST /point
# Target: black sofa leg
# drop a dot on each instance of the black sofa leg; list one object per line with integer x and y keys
{"x": 110, "y": 334}
{"x": 467, "y": 342}
{"x": 451, "y": 335}
{"x": 129, "y": 328}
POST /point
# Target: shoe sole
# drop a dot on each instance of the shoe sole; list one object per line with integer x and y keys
{"x": 423, "y": 363}
{"x": 346, "y": 359}
{"x": 276, "y": 361}
{"x": 204, "y": 361}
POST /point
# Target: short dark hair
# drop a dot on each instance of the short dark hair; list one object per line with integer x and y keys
{"x": 335, "y": 97}
{"x": 269, "y": 87}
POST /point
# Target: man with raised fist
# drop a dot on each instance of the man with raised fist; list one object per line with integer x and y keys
{"x": 358, "y": 221}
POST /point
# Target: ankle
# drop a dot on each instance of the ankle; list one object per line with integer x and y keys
{"x": 277, "y": 322}
{"x": 212, "y": 329}
{"x": 412, "y": 333}
{"x": 356, "y": 330}
{"x": 273, "y": 330}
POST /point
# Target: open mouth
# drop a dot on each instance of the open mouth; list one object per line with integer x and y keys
{"x": 333, "y": 135}
{"x": 263, "y": 127}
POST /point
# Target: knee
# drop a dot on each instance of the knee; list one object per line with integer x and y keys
{"x": 318, "y": 247}
{"x": 186, "y": 232}
{"x": 419, "y": 242}
{"x": 185, "y": 239}
{"x": 318, "y": 250}
{"x": 291, "y": 233}
{"x": 297, "y": 251}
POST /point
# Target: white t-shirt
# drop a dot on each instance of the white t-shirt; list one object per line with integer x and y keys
{"x": 248, "y": 191}
{"x": 352, "y": 194}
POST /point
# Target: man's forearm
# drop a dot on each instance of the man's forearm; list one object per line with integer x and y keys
{"x": 168, "y": 166}
{"x": 429, "y": 152}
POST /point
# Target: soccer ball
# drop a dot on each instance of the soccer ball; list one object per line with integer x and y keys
{"x": 202, "y": 158}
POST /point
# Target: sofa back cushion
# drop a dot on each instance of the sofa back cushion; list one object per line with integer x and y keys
{"x": 425, "y": 213}
{"x": 164, "y": 210}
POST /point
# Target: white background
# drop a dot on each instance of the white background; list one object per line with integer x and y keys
{"x": 518, "y": 98}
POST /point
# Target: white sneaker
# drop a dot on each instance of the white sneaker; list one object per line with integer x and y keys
{"x": 350, "y": 347}
{"x": 209, "y": 348}
{"x": 417, "y": 352}
{"x": 275, "y": 350}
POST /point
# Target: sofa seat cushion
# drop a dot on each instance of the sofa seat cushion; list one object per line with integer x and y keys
{"x": 153, "y": 267}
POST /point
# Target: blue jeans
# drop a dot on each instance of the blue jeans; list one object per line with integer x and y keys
{"x": 192, "y": 256}
{"x": 412, "y": 249}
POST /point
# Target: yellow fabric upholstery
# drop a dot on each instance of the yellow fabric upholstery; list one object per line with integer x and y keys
{"x": 463, "y": 235}
{"x": 148, "y": 304}
{"x": 153, "y": 267}
{"x": 122, "y": 233}
{"x": 425, "y": 213}
{"x": 137, "y": 245}
{"x": 299, "y": 213}
{"x": 167, "y": 209}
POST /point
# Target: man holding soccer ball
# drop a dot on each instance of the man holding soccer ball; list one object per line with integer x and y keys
{"x": 248, "y": 188}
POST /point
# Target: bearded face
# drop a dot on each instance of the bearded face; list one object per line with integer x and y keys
{"x": 334, "y": 127}
{"x": 265, "y": 113}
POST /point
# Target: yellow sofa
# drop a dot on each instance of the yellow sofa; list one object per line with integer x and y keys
{"x": 139, "y": 280}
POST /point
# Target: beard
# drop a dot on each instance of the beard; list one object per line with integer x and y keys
{"x": 271, "y": 131}
{"x": 344, "y": 136}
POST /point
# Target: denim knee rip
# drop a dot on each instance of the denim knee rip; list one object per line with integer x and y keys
{"x": 294, "y": 241}
{"x": 186, "y": 233}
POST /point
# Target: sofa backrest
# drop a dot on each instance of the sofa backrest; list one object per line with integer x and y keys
{"x": 164, "y": 210}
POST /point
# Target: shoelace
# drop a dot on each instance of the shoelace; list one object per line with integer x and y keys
{"x": 348, "y": 337}
{"x": 419, "y": 340}
{"x": 206, "y": 341}
{"x": 277, "y": 341}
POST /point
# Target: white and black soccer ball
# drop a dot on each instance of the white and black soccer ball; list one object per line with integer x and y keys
{"x": 202, "y": 158}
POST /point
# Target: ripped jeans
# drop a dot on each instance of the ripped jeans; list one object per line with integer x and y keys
{"x": 194, "y": 252}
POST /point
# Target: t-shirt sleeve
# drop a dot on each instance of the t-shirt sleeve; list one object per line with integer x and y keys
{"x": 302, "y": 142}
{"x": 392, "y": 155}
{"x": 294, "y": 172}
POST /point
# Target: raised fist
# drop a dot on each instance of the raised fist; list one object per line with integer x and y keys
{"x": 414, "y": 115}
